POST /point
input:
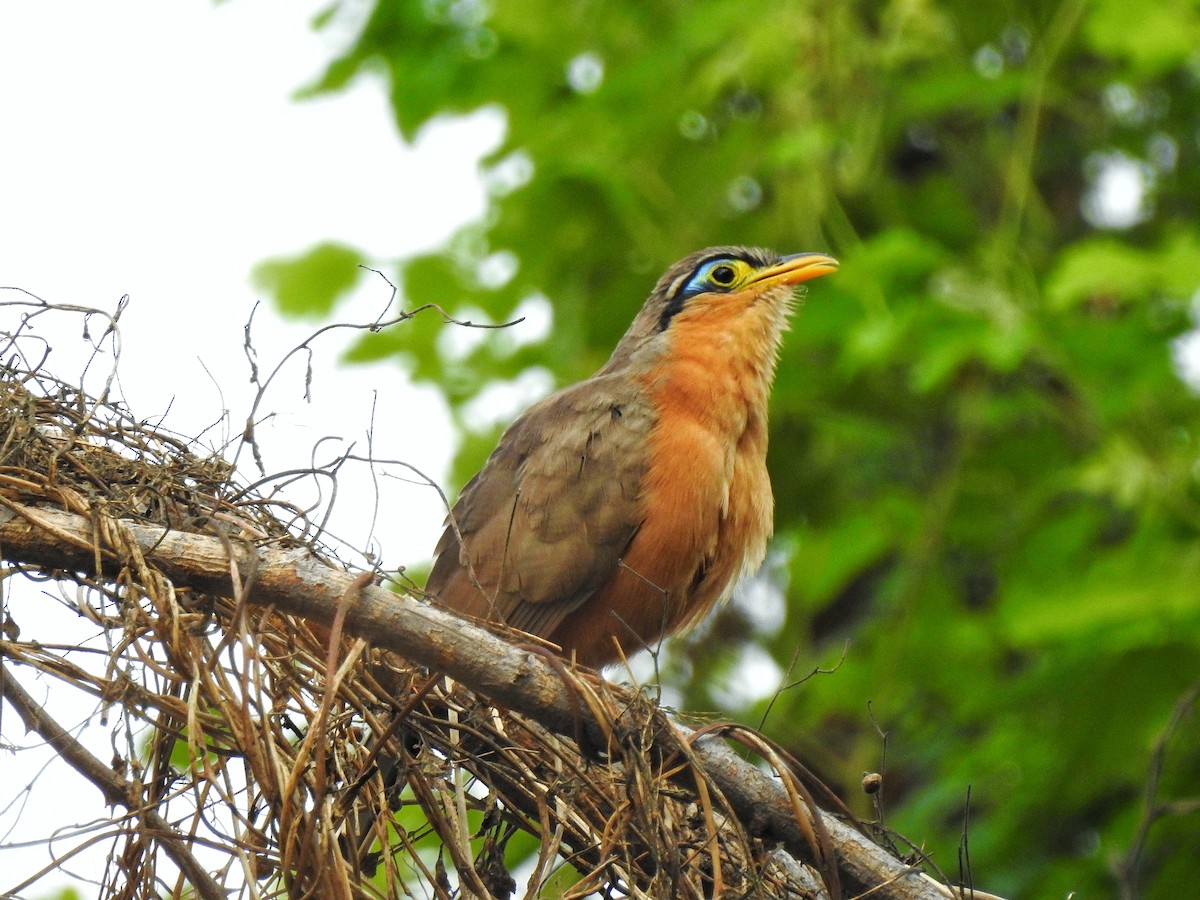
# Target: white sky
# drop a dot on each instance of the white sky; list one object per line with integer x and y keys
{"x": 152, "y": 149}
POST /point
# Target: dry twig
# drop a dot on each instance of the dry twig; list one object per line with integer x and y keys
{"x": 289, "y": 729}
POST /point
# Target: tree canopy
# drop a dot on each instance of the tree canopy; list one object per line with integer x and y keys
{"x": 984, "y": 450}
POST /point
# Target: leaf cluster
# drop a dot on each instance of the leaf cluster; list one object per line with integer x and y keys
{"x": 983, "y": 450}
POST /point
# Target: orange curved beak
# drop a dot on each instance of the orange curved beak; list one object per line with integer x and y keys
{"x": 794, "y": 269}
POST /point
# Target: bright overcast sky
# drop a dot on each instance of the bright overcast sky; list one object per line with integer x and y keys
{"x": 152, "y": 149}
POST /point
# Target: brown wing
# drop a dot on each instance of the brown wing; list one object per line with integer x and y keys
{"x": 545, "y": 521}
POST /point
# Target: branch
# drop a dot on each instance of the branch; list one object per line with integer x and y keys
{"x": 1126, "y": 868}
{"x": 295, "y": 582}
{"x": 116, "y": 791}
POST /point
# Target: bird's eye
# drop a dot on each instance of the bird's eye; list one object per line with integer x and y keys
{"x": 722, "y": 276}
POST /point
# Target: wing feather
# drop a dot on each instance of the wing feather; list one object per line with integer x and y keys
{"x": 544, "y": 523}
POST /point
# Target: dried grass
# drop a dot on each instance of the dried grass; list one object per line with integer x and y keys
{"x": 249, "y": 747}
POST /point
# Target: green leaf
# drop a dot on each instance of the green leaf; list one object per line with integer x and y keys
{"x": 1108, "y": 270}
{"x": 309, "y": 285}
{"x": 1153, "y": 37}
{"x": 1098, "y": 268}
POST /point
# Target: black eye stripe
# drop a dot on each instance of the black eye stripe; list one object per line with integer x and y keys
{"x": 722, "y": 274}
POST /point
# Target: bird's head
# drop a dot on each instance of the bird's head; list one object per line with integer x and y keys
{"x": 721, "y": 286}
{"x": 714, "y": 277}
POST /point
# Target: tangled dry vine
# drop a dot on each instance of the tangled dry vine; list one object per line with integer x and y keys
{"x": 284, "y": 726}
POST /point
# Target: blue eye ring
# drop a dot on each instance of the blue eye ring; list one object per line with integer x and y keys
{"x": 716, "y": 274}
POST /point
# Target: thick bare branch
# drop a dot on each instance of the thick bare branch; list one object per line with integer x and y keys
{"x": 296, "y": 582}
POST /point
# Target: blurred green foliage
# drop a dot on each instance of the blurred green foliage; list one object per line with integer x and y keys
{"x": 311, "y": 283}
{"x": 983, "y": 452}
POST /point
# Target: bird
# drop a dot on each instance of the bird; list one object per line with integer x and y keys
{"x": 625, "y": 507}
